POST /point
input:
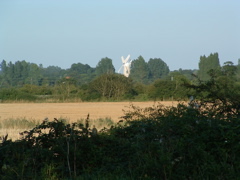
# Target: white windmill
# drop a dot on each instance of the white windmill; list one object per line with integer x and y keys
{"x": 126, "y": 66}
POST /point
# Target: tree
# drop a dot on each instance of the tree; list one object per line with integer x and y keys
{"x": 3, "y": 73}
{"x": 139, "y": 70}
{"x": 82, "y": 73}
{"x": 229, "y": 69}
{"x": 80, "y": 68}
{"x": 188, "y": 73}
{"x": 34, "y": 74}
{"x": 206, "y": 64}
{"x": 52, "y": 74}
{"x": 158, "y": 68}
{"x": 238, "y": 70}
{"x": 105, "y": 66}
{"x": 3, "y": 67}
{"x": 221, "y": 93}
{"x": 113, "y": 86}
{"x": 172, "y": 87}
{"x": 66, "y": 88}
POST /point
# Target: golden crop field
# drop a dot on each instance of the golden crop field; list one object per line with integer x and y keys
{"x": 70, "y": 111}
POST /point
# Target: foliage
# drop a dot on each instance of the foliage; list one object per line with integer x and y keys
{"x": 206, "y": 64}
{"x": 112, "y": 86}
{"x": 221, "y": 93}
{"x": 15, "y": 94}
{"x": 158, "y": 68}
{"x": 174, "y": 89}
{"x": 23, "y": 81}
{"x": 186, "y": 72}
{"x": 139, "y": 70}
{"x": 51, "y": 75}
{"x": 105, "y": 66}
{"x": 81, "y": 73}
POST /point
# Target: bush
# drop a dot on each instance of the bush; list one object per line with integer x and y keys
{"x": 15, "y": 94}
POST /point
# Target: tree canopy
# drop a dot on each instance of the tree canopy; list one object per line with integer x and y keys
{"x": 105, "y": 66}
{"x": 139, "y": 70}
{"x": 206, "y": 64}
{"x": 158, "y": 68}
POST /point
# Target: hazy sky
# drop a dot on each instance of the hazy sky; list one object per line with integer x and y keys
{"x": 63, "y": 32}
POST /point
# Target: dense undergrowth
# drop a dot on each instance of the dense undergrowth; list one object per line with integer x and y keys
{"x": 198, "y": 141}
{"x": 152, "y": 143}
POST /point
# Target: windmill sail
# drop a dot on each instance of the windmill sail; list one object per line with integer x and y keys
{"x": 126, "y": 66}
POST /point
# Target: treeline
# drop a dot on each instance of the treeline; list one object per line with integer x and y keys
{"x": 150, "y": 80}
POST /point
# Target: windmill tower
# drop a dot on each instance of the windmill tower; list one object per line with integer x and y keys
{"x": 126, "y": 66}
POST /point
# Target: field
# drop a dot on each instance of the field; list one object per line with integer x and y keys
{"x": 70, "y": 111}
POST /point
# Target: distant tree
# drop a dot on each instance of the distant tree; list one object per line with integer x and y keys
{"x": 140, "y": 71}
{"x": 3, "y": 67}
{"x": 80, "y": 68}
{"x": 65, "y": 88}
{"x": 206, "y": 64}
{"x": 170, "y": 88}
{"x": 229, "y": 69}
{"x": 188, "y": 73}
{"x": 158, "y": 68}
{"x": 34, "y": 74}
{"x": 20, "y": 73}
{"x": 3, "y": 73}
{"x": 162, "y": 90}
{"x": 52, "y": 74}
{"x": 238, "y": 70}
{"x": 82, "y": 73}
{"x": 113, "y": 86}
{"x": 105, "y": 66}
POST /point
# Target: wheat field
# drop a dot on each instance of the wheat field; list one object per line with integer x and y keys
{"x": 69, "y": 111}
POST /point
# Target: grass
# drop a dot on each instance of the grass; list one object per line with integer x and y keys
{"x": 19, "y": 123}
{"x": 13, "y": 127}
{"x": 98, "y": 123}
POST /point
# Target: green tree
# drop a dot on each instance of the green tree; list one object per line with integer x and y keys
{"x": 114, "y": 86}
{"x": 188, "y": 73}
{"x": 105, "y": 66}
{"x": 51, "y": 75}
{"x": 3, "y": 72}
{"x": 162, "y": 90}
{"x": 238, "y": 70}
{"x": 158, "y": 68}
{"x": 66, "y": 88}
{"x": 229, "y": 69}
{"x": 20, "y": 73}
{"x": 82, "y": 73}
{"x": 34, "y": 74}
{"x": 3, "y": 67}
{"x": 206, "y": 64}
{"x": 140, "y": 71}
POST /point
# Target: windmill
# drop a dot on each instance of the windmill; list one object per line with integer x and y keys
{"x": 126, "y": 65}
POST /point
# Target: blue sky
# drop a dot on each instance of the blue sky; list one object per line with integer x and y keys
{"x": 63, "y": 32}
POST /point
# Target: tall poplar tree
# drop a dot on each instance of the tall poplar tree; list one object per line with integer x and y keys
{"x": 206, "y": 64}
{"x": 139, "y": 70}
